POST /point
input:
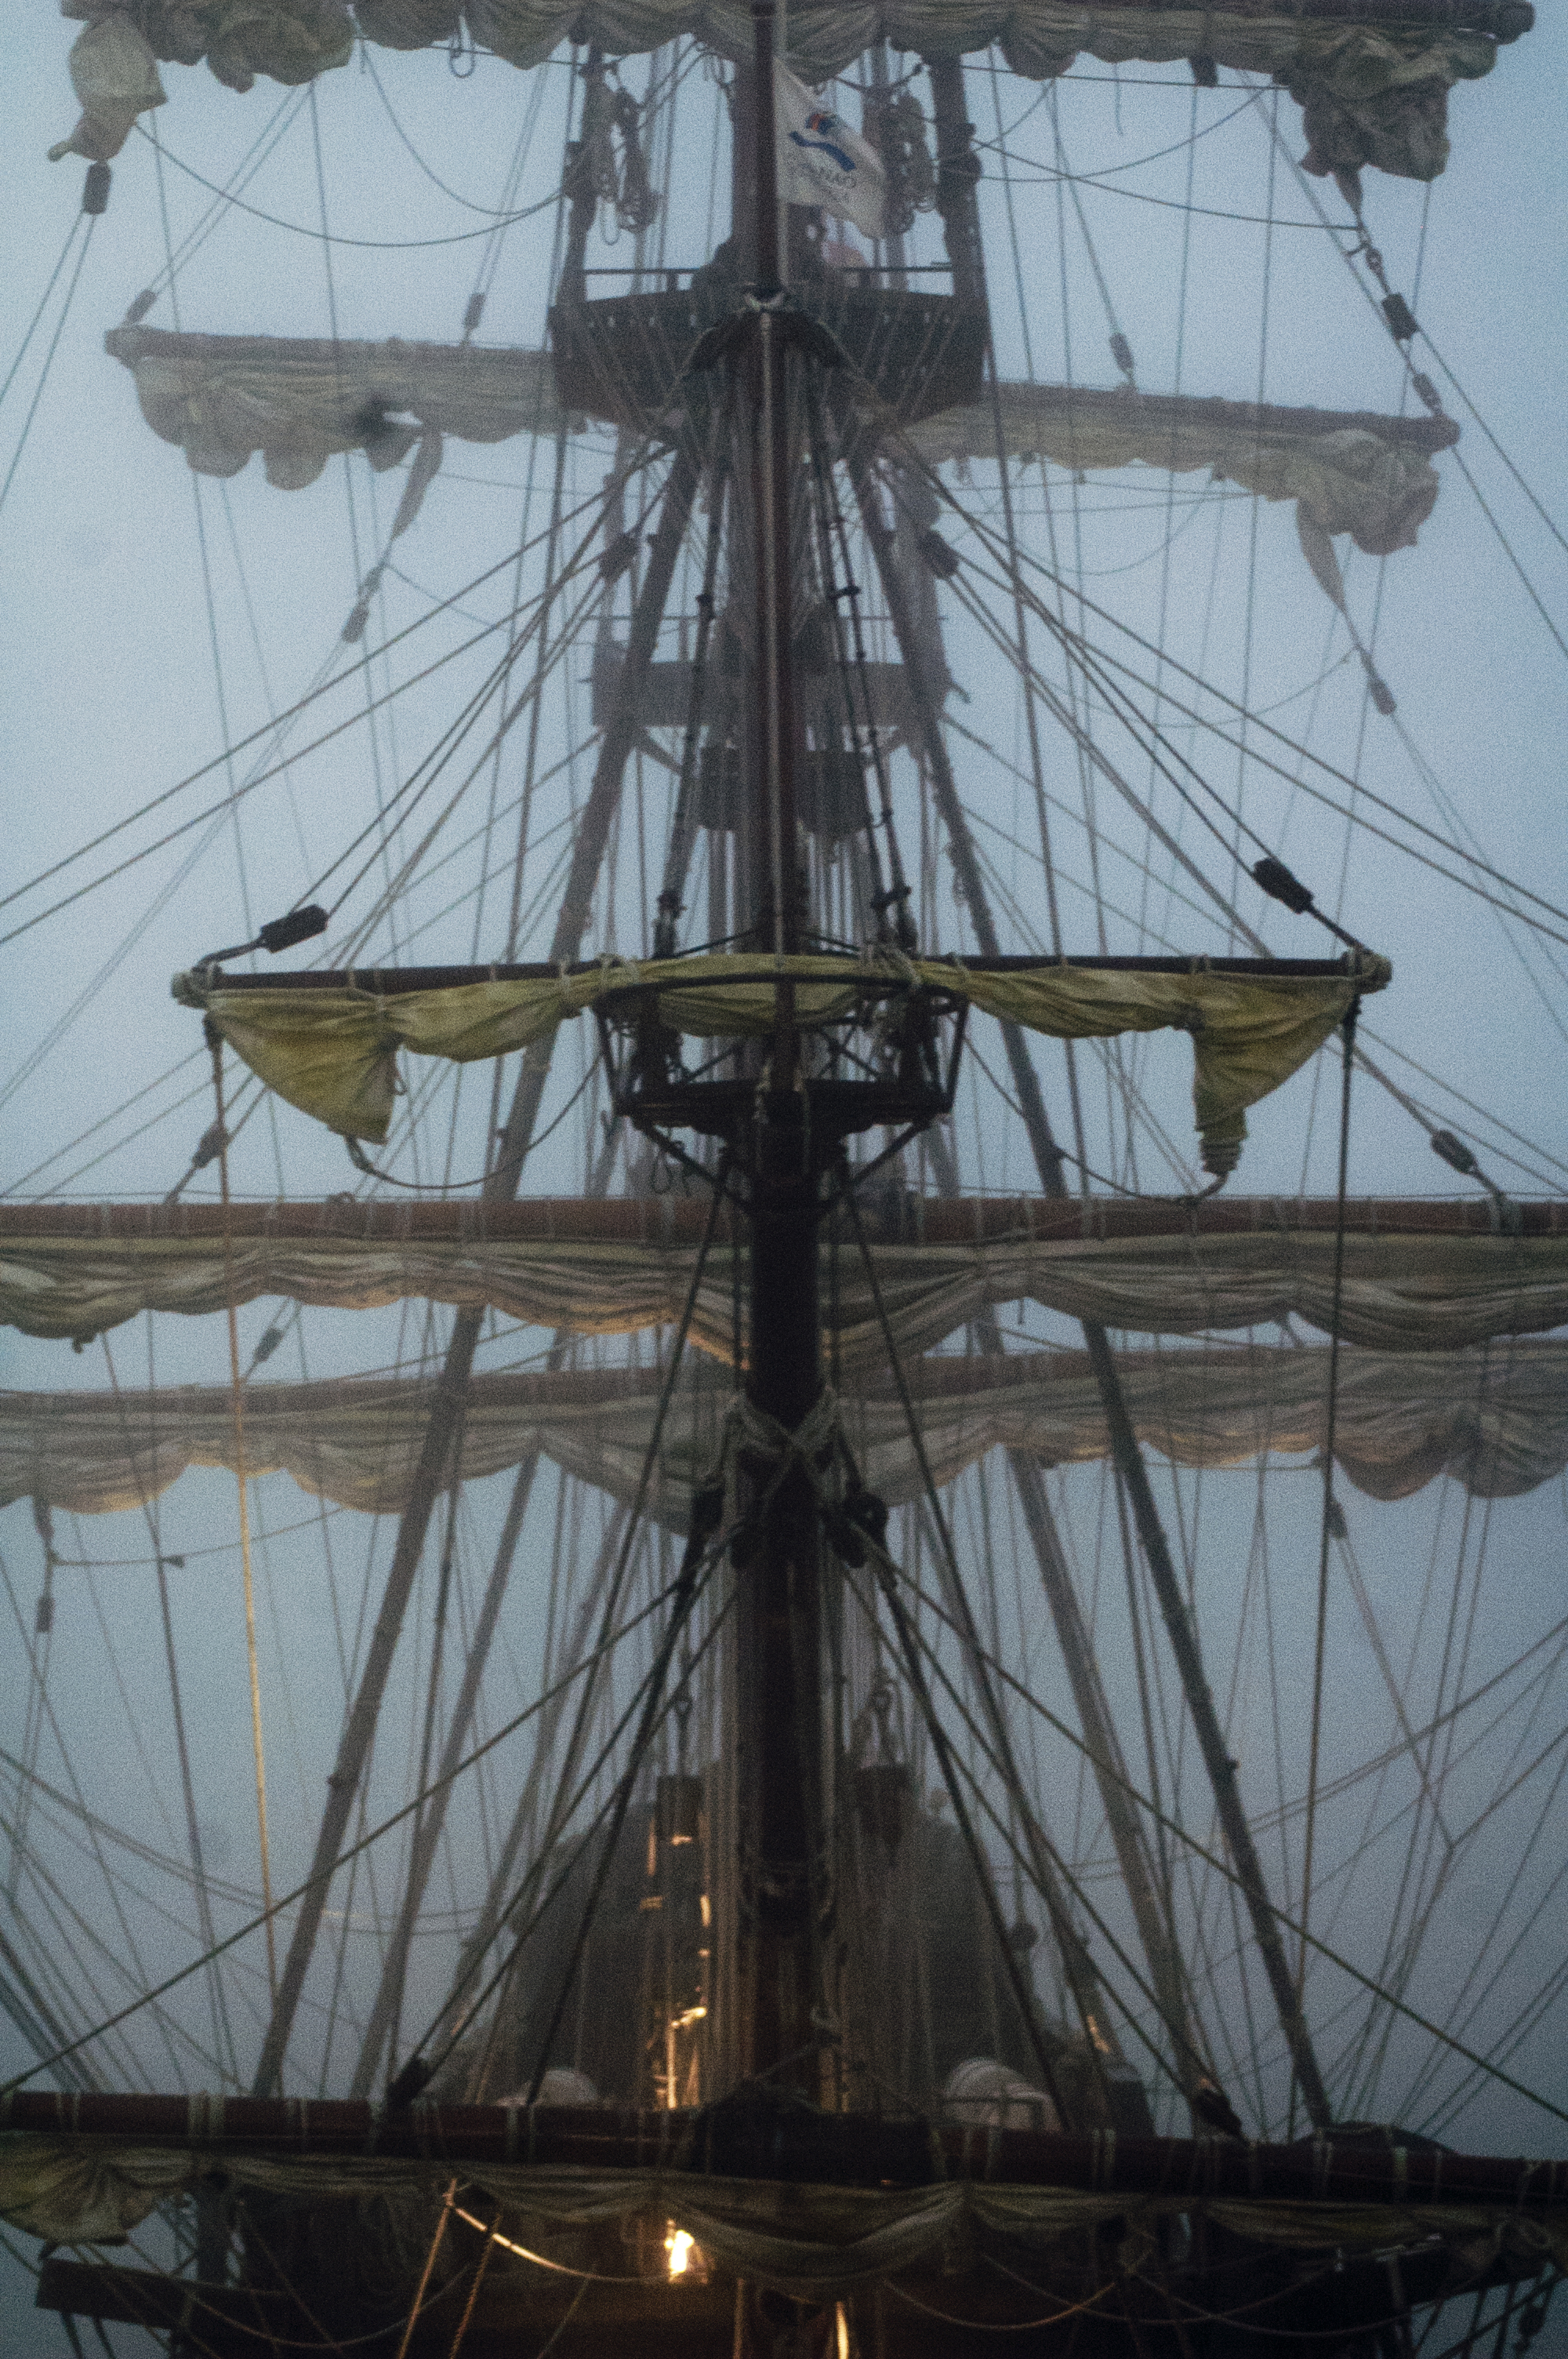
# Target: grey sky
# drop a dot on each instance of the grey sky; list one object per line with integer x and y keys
{"x": 114, "y": 697}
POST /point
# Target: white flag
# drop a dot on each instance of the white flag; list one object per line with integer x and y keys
{"x": 822, "y": 161}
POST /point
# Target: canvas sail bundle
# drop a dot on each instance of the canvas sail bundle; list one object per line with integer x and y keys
{"x": 333, "y": 1052}
{"x": 593, "y": 1269}
{"x": 810, "y": 2242}
{"x": 1498, "y": 1421}
{"x": 301, "y": 400}
{"x": 1371, "y": 93}
{"x": 1356, "y": 473}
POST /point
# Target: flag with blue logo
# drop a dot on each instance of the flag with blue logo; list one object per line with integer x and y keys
{"x": 822, "y": 161}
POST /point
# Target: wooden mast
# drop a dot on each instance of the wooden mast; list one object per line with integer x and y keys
{"x": 777, "y": 1642}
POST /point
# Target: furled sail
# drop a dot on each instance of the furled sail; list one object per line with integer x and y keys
{"x": 1498, "y": 1421}
{"x": 329, "y": 1044}
{"x": 1371, "y": 93}
{"x": 301, "y": 400}
{"x": 1418, "y": 1276}
{"x": 814, "y": 2242}
{"x": 1348, "y": 470}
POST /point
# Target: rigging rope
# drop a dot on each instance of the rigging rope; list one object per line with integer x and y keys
{"x": 380, "y": 244}
{"x": 222, "y": 2032}
{"x": 994, "y": 2326}
{"x": 888, "y": 1573}
{"x": 999, "y": 147}
{"x": 48, "y": 359}
{"x": 236, "y": 1382}
{"x": 50, "y": 1952}
{"x": 1232, "y": 1879}
{"x": 1079, "y": 1971}
{"x": 493, "y": 213}
{"x": 558, "y": 1817}
{"x": 43, "y": 300}
{"x": 1542, "y": 512}
{"x": 361, "y": 1161}
{"x": 261, "y": 150}
{"x": 1333, "y": 1518}
{"x": 695, "y": 1568}
{"x": 1079, "y": 651}
{"x": 565, "y": 1805}
{"x": 268, "y": 728}
{"x": 1090, "y": 659}
{"x": 1401, "y": 327}
{"x": 346, "y": 1857}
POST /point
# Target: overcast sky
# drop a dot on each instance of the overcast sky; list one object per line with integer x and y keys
{"x": 113, "y": 696}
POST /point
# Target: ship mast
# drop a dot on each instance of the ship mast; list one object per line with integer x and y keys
{"x": 777, "y": 1602}
{"x": 783, "y": 1149}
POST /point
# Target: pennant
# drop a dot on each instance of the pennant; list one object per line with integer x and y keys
{"x": 823, "y": 163}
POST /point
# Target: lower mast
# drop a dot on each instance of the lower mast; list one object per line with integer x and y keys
{"x": 777, "y": 1646}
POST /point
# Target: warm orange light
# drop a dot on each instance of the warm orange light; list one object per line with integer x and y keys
{"x": 677, "y": 2247}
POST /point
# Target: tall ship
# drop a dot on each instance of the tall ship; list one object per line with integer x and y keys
{"x": 783, "y": 1573}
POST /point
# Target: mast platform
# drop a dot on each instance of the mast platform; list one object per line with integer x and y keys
{"x": 621, "y": 357}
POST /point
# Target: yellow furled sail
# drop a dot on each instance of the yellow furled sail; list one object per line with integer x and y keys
{"x": 333, "y": 1050}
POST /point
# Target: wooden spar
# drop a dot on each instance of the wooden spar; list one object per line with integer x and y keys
{"x": 387, "y": 982}
{"x": 960, "y": 219}
{"x": 957, "y": 170}
{"x": 845, "y": 2149}
{"x": 571, "y": 925}
{"x": 660, "y": 1221}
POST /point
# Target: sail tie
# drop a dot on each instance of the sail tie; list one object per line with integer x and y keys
{"x": 778, "y": 1448}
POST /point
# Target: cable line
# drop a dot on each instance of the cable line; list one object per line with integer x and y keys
{"x": 593, "y": 501}
{"x": 380, "y": 244}
{"x": 1510, "y": 552}
{"x": 92, "y": 219}
{"x": 1540, "y": 510}
{"x": 996, "y": 146}
{"x": 493, "y": 213}
{"x": 43, "y": 301}
{"x": 261, "y": 149}
{"x": 353, "y": 1851}
{"x": 1222, "y": 1867}
{"x": 1081, "y": 652}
